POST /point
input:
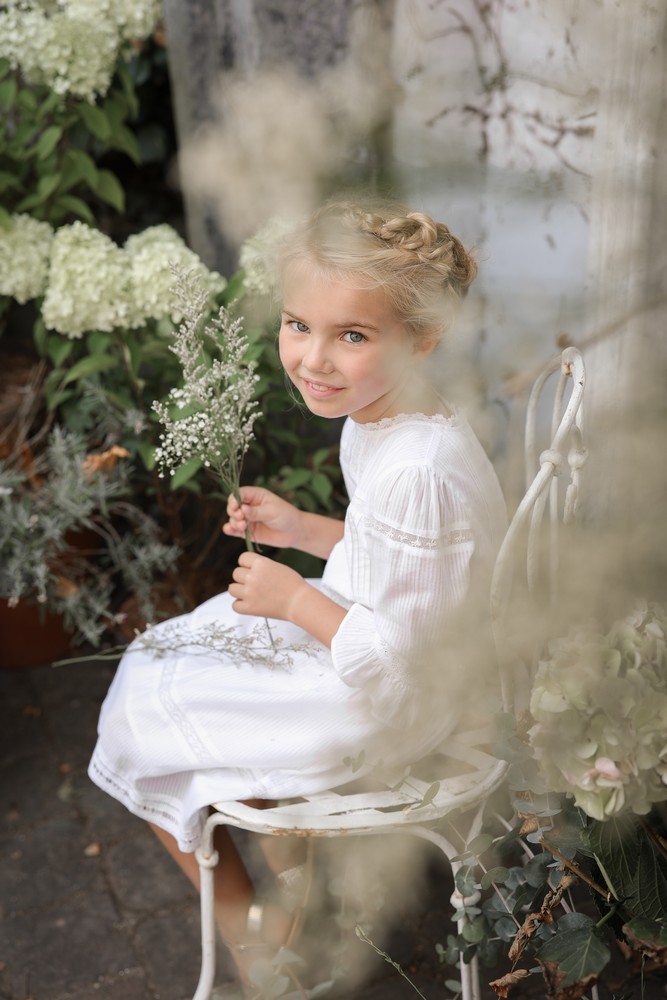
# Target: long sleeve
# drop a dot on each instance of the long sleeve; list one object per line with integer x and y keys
{"x": 411, "y": 540}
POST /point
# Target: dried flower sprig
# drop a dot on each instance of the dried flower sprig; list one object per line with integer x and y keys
{"x": 255, "y": 647}
{"x": 210, "y": 418}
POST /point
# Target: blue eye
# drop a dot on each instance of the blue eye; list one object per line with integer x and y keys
{"x": 353, "y": 337}
{"x": 299, "y": 327}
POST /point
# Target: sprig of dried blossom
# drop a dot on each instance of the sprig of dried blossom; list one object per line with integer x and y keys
{"x": 210, "y": 418}
{"x": 256, "y": 647}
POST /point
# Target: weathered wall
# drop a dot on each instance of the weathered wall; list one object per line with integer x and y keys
{"x": 250, "y": 76}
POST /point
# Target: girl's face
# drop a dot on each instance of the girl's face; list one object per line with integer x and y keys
{"x": 345, "y": 349}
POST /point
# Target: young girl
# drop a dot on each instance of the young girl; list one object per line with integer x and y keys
{"x": 366, "y": 296}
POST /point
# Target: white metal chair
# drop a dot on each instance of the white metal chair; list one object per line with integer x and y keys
{"x": 404, "y": 810}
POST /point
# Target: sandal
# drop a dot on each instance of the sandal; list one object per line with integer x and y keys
{"x": 293, "y": 889}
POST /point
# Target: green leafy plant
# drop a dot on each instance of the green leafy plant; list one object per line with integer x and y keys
{"x": 50, "y": 147}
{"x": 72, "y": 540}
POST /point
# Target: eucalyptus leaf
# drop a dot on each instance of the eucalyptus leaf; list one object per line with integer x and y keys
{"x": 498, "y": 875}
{"x": 480, "y": 844}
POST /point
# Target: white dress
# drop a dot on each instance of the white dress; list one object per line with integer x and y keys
{"x": 181, "y": 731}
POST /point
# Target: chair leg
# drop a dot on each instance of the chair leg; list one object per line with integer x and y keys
{"x": 207, "y": 858}
{"x": 469, "y": 971}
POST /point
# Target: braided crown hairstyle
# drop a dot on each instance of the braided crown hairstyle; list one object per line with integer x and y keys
{"x": 422, "y": 267}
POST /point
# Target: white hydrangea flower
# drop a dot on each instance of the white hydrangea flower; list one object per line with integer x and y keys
{"x": 150, "y": 254}
{"x": 89, "y": 287}
{"x": 135, "y": 20}
{"x": 600, "y": 710}
{"x": 72, "y": 46}
{"x": 25, "y": 249}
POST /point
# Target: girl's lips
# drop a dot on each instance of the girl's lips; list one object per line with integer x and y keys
{"x": 319, "y": 389}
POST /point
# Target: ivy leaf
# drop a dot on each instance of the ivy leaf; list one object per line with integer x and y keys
{"x": 647, "y": 936}
{"x": 579, "y": 954}
{"x": 634, "y": 871}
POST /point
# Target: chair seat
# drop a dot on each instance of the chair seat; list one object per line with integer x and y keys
{"x": 379, "y": 809}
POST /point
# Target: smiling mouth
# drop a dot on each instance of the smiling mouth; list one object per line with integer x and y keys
{"x": 320, "y": 386}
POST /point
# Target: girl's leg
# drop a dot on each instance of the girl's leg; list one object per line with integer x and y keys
{"x": 233, "y": 888}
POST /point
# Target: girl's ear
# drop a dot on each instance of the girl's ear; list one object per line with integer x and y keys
{"x": 427, "y": 341}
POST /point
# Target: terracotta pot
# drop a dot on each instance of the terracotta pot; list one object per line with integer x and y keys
{"x": 30, "y": 636}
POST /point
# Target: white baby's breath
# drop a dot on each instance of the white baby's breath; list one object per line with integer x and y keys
{"x": 209, "y": 418}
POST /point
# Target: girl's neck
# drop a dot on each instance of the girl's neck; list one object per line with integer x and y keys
{"x": 418, "y": 396}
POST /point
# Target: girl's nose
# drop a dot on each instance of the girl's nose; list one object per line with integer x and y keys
{"x": 316, "y": 357}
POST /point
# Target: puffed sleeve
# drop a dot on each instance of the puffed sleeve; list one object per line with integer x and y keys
{"x": 417, "y": 542}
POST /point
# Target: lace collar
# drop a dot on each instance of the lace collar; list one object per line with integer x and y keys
{"x": 446, "y": 420}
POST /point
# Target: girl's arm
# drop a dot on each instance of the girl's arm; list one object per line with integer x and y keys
{"x": 274, "y": 521}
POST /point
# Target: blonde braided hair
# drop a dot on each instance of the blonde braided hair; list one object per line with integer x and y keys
{"x": 424, "y": 269}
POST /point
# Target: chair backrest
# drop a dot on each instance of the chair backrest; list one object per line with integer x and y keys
{"x": 524, "y": 535}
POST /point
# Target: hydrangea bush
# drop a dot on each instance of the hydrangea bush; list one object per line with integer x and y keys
{"x": 600, "y": 708}
{"x": 72, "y": 46}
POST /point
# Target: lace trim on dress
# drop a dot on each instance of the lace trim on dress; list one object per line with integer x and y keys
{"x": 456, "y": 536}
{"x": 179, "y": 717}
{"x": 450, "y": 419}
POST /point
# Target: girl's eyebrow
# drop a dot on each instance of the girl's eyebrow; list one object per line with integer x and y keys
{"x": 353, "y": 325}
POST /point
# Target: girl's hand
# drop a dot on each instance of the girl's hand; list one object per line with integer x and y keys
{"x": 272, "y": 521}
{"x": 263, "y": 587}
